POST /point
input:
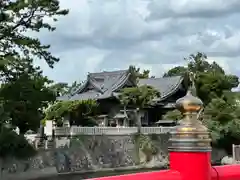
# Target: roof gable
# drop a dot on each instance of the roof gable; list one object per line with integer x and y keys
{"x": 165, "y": 85}
{"x": 108, "y": 80}
{"x": 106, "y": 84}
{"x": 100, "y": 85}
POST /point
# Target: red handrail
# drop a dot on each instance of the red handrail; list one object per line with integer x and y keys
{"x": 228, "y": 172}
{"x": 158, "y": 175}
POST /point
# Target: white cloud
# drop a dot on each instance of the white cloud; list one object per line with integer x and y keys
{"x": 192, "y": 8}
{"x": 93, "y": 62}
{"x": 224, "y": 63}
{"x": 152, "y": 34}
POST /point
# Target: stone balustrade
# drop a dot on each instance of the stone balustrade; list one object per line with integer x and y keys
{"x": 75, "y": 130}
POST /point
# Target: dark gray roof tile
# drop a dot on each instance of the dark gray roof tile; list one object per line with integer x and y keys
{"x": 85, "y": 96}
{"x": 166, "y": 86}
{"x": 63, "y": 98}
{"x": 106, "y": 83}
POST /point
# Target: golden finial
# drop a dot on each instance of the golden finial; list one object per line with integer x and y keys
{"x": 190, "y": 134}
{"x": 189, "y": 103}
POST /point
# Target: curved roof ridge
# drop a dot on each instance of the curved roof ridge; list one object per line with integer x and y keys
{"x": 174, "y": 88}
{"x": 108, "y": 72}
{"x": 170, "y": 77}
{"x": 165, "y": 85}
{"x": 80, "y": 88}
{"x": 121, "y": 81}
{"x": 91, "y": 80}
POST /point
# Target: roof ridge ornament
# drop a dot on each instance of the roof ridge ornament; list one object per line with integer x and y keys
{"x": 190, "y": 135}
{"x": 192, "y": 77}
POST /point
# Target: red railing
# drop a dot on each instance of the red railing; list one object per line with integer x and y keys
{"x": 186, "y": 172}
{"x": 229, "y": 172}
{"x": 160, "y": 175}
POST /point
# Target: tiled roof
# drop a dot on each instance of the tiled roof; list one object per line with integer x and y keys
{"x": 104, "y": 83}
{"x": 166, "y": 86}
{"x": 107, "y": 83}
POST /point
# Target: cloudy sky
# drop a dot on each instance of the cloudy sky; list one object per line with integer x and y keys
{"x": 102, "y": 35}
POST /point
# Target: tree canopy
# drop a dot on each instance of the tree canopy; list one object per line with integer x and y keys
{"x": 79, "y": 111}
{"x": 173, "y": 115}
{"x": 24, "y": 91}
{"x": 24, "y": 101}
{"x": 135, "y": 71}
{"x": 138, "y": 96}
{"x": 18, "y": 20}
{"x": 61, "y": 89}
{"x": 14, "y": 145}
{"x": 221, "y": 113}
{"x": 211, "y": 80}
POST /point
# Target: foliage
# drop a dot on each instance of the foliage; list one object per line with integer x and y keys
{"x": 222, "y": 117}
{"x": 18, "y": 21}
{"x": 61, "y": 89}
{"x": 23, "y": 87}
{"x": 74, "y": 86}
{"x": 173, "y": 115}
{"x": 23, "y": 92}
{"x": 221, "y": 114}
{"x": 24, "y": 99}
{"x": 176, "y": 71}
{"x": 138, "y": 96}
{"x": 78, "y": 110}
{"x": 14, "y": 145}
{"x": 211, "y": 80}
{"x": 137, "y": 72}
{"x": 145, "y": 144}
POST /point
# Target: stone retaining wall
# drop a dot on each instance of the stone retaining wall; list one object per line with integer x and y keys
{"x": 84, "y": 153}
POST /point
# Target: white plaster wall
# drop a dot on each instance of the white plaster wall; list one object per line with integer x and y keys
{"x": 48, "y": 128}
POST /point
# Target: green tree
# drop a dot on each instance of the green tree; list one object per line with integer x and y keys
{"x": 222, "y": 117}
{"x": 176, "y": 71}
{"x": 138, "y": 97}
{"x": 23, "y": 91}
{"x": 59, "y": 88}
{"x": 137, "y": 73}
{"x": 80, "y": 112}
{"x": 74, "y": 86}
{"x": 221, "y": 114}
{"x": 18, "y": 20}
{"x": 25, "y": 99}
{"x": 13, "y": 145}
{"x": 173, "y": 115}
{"x": 211, "y": 80}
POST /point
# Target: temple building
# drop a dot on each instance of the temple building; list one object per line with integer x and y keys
{"x": 105, "y": 87}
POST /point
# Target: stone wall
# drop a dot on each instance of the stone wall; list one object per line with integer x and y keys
{"x": 95, "y": 153}
{"x": 98, "y": 152}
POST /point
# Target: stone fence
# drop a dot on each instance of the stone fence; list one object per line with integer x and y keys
{"x": 75, "y": 130}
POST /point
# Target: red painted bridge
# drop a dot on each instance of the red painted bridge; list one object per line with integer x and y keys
{"x": 189, "y": 151}
{"x": 186, "y": 166}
